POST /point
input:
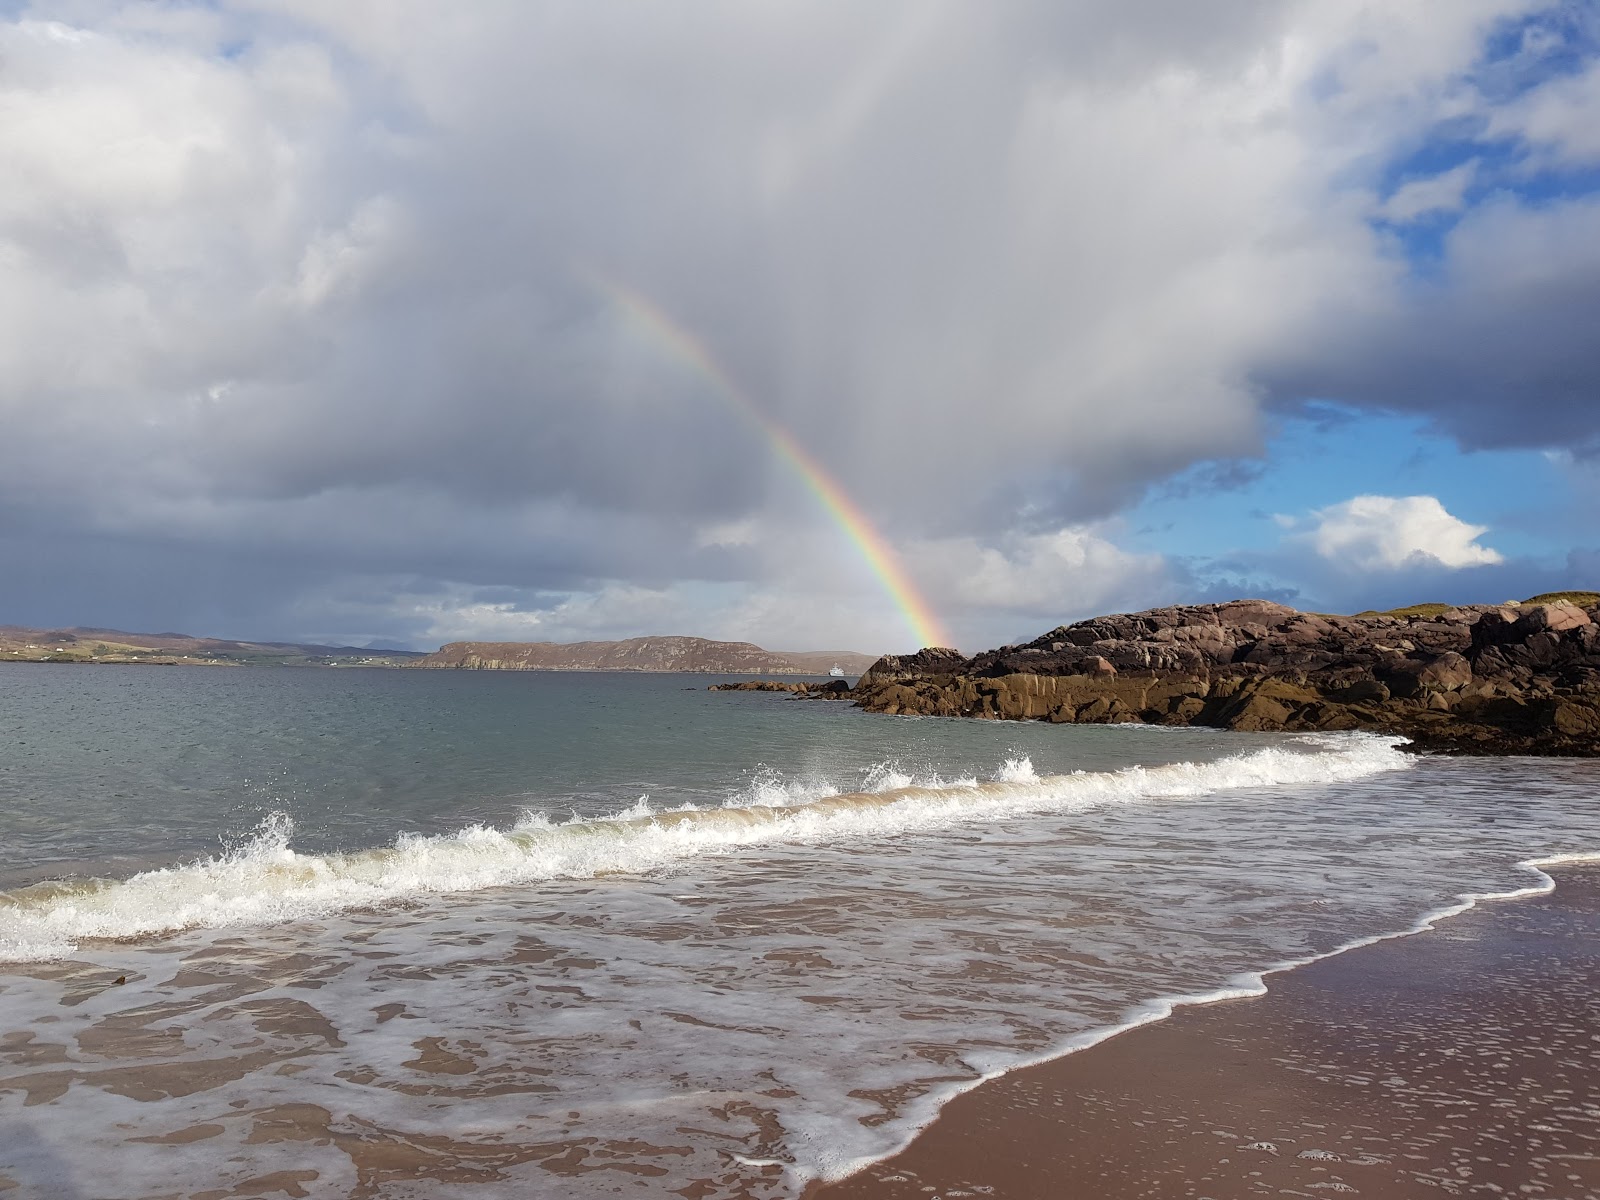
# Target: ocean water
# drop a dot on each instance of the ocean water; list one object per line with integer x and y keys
{"x": 437, "y": 934}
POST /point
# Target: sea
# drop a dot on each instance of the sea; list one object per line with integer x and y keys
{"x": 407, "y": 933}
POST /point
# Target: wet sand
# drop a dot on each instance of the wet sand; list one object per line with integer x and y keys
{"x": 1464, "y": 1061}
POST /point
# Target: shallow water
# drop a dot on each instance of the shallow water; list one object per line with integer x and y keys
{"x": 140, "y": 766}
{"x": 440, "y": 970}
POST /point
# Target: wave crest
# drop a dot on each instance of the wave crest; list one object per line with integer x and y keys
{"x": 264, "y": 880}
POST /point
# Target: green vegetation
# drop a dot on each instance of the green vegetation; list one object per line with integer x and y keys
{"x": 1431, "y": 609}
{"x": 1581, "y": 599}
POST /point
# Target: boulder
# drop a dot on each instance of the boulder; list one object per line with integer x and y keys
{"x": 1185, "y": 709}
{"x": 1447, "y": 672}
{"x": 1556, "y": 618}
{"x": 1106, "y": 710}
{"x": 1257, "y": 713}
{"x": 1413, "y": 677}
{"x": 1363, "y": 691}
{"x": 1575, "y": 719}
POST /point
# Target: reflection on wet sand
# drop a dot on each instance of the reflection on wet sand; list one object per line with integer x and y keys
{"x": 1461, "y": 1062}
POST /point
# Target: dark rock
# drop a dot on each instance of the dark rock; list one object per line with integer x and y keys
{"x": 1447, "y": 672}
{"x": 833, "y": 689}
{"x": 929, "y": 661}
{"x": 1574, "y": 719}
{"x": 1361, "y": 691}
{"x": 1481, "y": 679}
{"x": 1554, "y": 618}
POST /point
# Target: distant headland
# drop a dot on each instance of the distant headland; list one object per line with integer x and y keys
{"x": 1516, "y": 678}
{"x": 690, "y": 654}
{"x": 19, "y": 643}
{"x": 668, "y": 653}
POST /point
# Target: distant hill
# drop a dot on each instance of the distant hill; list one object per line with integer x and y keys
{"x": 23, "y": 644}
{"x": 643, "y": 654}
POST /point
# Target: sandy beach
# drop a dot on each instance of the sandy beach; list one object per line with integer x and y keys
{"x": 1463, "y": 1061}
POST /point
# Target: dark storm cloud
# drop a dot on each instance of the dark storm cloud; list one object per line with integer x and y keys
{"x": 1500, "y": 352}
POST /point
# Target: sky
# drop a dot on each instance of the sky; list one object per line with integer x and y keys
{"x": 813, "y": 323}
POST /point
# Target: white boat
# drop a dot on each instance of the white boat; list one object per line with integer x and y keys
{"x": 836, "y": 671}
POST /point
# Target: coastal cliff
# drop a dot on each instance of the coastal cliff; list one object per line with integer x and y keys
{"x": 1477, "y": 679}
{"x": 641, "y": 654}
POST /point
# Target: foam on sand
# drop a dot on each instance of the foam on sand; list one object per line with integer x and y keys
{"x": 1242, "y": 986}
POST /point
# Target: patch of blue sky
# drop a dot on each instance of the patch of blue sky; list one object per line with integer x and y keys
{"x": 1330, "y": 454}
{"x": 1423, "y": 243}
{"x": 1500, "y": 168}
{"x": 1524, "y": 51}
{"x": 1520, "y": 55}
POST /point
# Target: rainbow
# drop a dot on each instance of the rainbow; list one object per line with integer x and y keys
{"x": 645, "y": 315}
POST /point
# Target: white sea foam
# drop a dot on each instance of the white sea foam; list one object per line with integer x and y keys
{"x": 1017, "y": 770}
{"x": 921, "y": 1113}
{"x": 266, "y": 881}
{"x": 885, "y": 777}
{"x": 768, "y": 788}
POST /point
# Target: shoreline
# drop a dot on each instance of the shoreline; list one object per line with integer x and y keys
{"x": 393, "y": 666}
{"x": 1437, "y": 736}
{"x": 1175, "y": 1051}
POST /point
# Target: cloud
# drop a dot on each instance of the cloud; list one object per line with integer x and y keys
{"x": 305, "y": 284}
{"x": 1435, "y": 194}
{"x": 1491, "y": 349}
{"x": 1388, "y": 533}
{"x": 875, "y": 222}
{"x": 771, "y": 617}
{"x": 990, "y": 593}
{"x": 1020, "y": 584}
{"x": 1380, "y": 552}
{"x": 1558, "y": 118}
{"x": 1483, "y": 325}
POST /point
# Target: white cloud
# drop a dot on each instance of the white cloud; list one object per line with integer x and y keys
{"x": 1386, "y": 533}
{"x": 1562, "y": 117}
{"x": 819, "y": 597}
{"x": 769, "y": 617}
{"x": 1021, "y": 584}
{"x": 291, "y": 276}
{"x": 608, "y": 613}
{"x": 1095, "y": 221}
{"x": 1436, "y": 193}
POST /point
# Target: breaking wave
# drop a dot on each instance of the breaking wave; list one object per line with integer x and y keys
{"x": 266, "y": 881}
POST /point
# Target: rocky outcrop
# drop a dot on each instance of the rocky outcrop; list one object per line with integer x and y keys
{"x": 641, "y": 654}
{"x": 834, "y": 689}
{"x": 1513, "y": 679}
{"x": 930, "y": 660}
